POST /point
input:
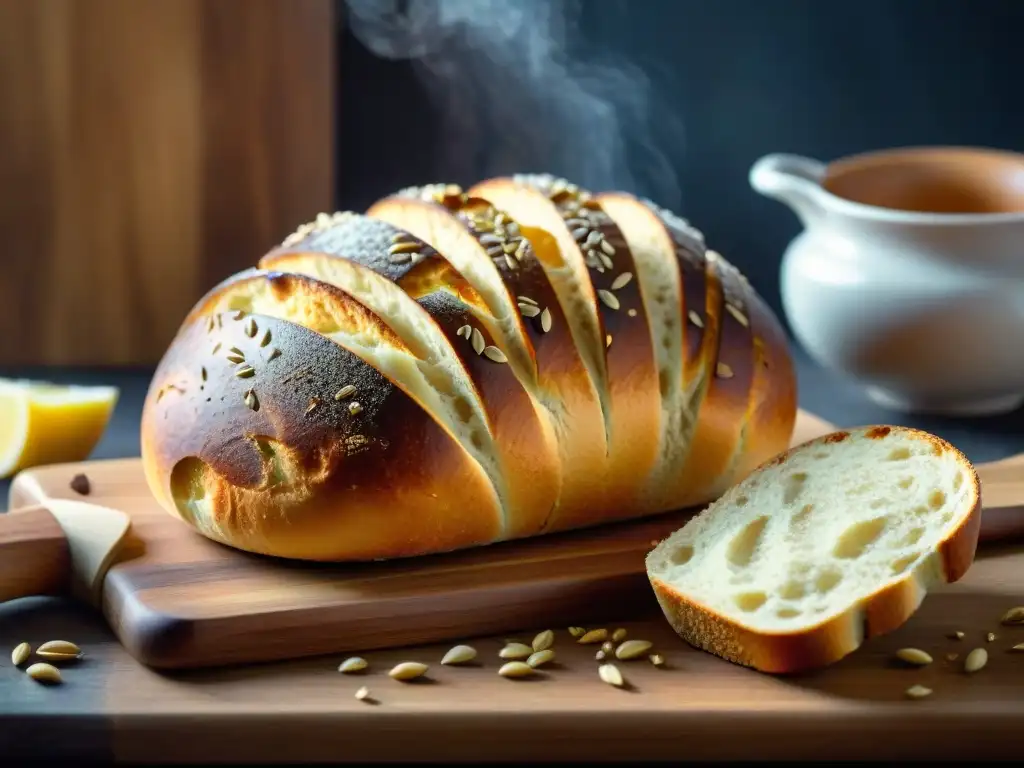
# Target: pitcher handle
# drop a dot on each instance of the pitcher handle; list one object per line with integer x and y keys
{"x": 792, "y": 179}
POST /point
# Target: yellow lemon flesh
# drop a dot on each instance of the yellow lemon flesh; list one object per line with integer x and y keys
{"x": 45, "y": 423}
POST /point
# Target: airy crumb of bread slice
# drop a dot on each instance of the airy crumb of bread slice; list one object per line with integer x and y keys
{"x": 830, "y": 543}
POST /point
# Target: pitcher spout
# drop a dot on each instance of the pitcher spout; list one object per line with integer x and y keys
{"x": 793, "y": 180}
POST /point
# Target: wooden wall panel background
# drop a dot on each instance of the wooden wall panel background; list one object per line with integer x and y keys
{"x": 149, "y": 148}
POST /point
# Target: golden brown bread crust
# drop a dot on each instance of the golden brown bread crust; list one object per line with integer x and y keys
{"x": 830, "y": 641}
{"x": 562, "y": 463}
{"x": 364, "y": 485}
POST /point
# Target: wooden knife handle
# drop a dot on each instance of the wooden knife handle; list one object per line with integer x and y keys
{"x": 34, "y": 554}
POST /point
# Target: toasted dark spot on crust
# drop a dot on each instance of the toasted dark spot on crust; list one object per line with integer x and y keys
{"x": 836, "y": 437}
{"x": 877, "y": 433}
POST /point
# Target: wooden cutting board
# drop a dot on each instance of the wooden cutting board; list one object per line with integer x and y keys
{"x": 178, "y": 600}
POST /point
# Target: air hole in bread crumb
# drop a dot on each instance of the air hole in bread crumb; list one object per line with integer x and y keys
{"x": 858, "y": 537}
{"x": 827, "y": 581}
{"x": 936, "y": 499}
{"x": 741, "y": 548}
{"x": 899, "y": 454}
{"x": 906, "y": 482}
{"x": 958, "y": 481}
{"x": 787, "y": 613}
{"x": 750, "y": 601}
{"x": 681, "y": 555}
{"x": 665, "y": 383}
{"x": 901, "y": 565}
{"x": 792, "y": 590}
{"x": 794, "y": 487}
{"x": 742, "y": 501}
{"x": 911, "y": 537}
{"x": 878, "y": 503}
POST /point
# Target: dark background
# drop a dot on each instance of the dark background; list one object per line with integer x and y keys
{"x": 743, "y": 77}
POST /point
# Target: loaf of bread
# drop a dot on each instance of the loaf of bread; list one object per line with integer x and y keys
{"x": 831, "y": 543}
{"x": 457, "y": 368}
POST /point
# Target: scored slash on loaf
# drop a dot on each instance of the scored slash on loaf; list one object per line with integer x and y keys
{"x": 454, "y": 368}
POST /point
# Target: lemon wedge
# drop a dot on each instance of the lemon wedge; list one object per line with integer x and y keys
{"x": 46, "y": 423}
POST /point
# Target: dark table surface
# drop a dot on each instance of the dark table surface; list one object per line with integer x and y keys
{"x": 821, "y": 392}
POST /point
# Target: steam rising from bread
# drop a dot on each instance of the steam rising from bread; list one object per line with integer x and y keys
{"x": 520, "y": 87}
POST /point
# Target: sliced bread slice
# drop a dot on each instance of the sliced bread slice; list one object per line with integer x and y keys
{"x": 824, "y": 546}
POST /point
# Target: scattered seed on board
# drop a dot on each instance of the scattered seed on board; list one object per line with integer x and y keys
{"x": 514, "y": 669}
{"x": 1018, "y": 647}
{"x": 990, "y": 637}
{"x": 608, "y": 298}
{"x": 918, "y": 692}
{"x": 460, "y": 654}
{"x": 958, "y": 635}
{"x": 610, "y": 674}
{"x": 20, "y": 654}
{"x": 80, "y": 484}
{"x": 619, "y": 635}
{"x": 952, "y": 656}
{"x": 545, "y": 320}
{"x": 975, "y": 660}
{"x": 621, "y": 281}
{"x": 608, "y": 646}
{"x": 363, "y": 693}
{"x": 355, "y": 408}
{"x": 59, "y": 649}
{"x": 632, "y": 649}
{"x": 355, "y": 664}
{"x": 44, "y": 673}
{"x": 600, "y": 655}
{"x": 1014, "y": 616}
{"x": 914, "y": 656}
{"x": 408, "y": 670}
{"x": 577, "y": 631}
{"x": 594, "y": 636}
{"x": 477, "y": 340}
{"x": 657, "y": 659}
{"x": 515, "y": 651}
{"x": 543, "y": 640}
{"x": 540, "y": 657}
{"x": 495, "y": 355}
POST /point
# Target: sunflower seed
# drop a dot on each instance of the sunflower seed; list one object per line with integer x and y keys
{"x": 914, "y": 656}
{"x": 529, "y": 310}
{"x": 521, "y": 249}
{"x": 631, "y": 312}
{"x": 251, "y": 327}
{"x": 723, "y": 371}
{"x": 600, "y": 655}
{"x": 239, "y": 315}
{"x": 275, "y": 352}
{"x": 975, "y": 660}
{"x": 540, "y": 658}
{"x": 514, "y": 669}
{"x": 604, "y": 260}
{"x": 608, "y": 340}
{"x": 59, "y": 646}
{"x": 314, "y": 403}
{"x": 44, "y": 673}
{"x": 657, "y": 659}
{"x": 511, "y": 263}
{"x": 20, "y": 654}
{"x": 495, "y": 355}
{"x": 266, "y": 338}
{"x": 202, "y": 373}
{"x": 990, "y": 637}
{"x": 251, "y": 400}
{"x": 405, "y": 246}
{"x": 460, "y": 654}
{"x": 345, "y": 392}
{"x": 399, "y": 258}
{"x": 593, "y": 239}
{"x": 1018, "y": 647}
{"x": 739, "y": 316}
{"x": 608, "y": 646}
{"x": 245, "y": 372}
{"x": 543, "y": 640}
{"x": 363, "y": 693}
{"x": 580, "y": 234}
{"x": 577, "y": 631}
{"x": 918, "y": 692}
{"x": 210, "y": 324}
{"x": 610, "y": 674}
{"x": 354, "y": 408}
{"x": 695, "y": 319}
{"x": 464, "y": 331}
{"x": 478, "y": 341}
{"x": 958, "y": 635}
{"x": 408, "y": 670}
{"x": 619, "y": 635}
{"x": 526, "y": 300}
{"x": 608, "y": 248}
{"x": 1013, "y": 616}
{"x": 621, "y": 281}
{"x": 632, "y": 649}
{"x": 594, "y": 636}
{"x": 216, "y": 348}
{"x": 236, "y": 359}
{"x": 545, "y": 320}
{"x": 354, "y": 664}
{"x": 608, "y": 298}
{"x": 489, "y": 239}
{"x": 952, "y": 656}
{"x": 515, "y": 651}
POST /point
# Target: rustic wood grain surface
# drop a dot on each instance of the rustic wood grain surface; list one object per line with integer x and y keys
{"x": 177, "y": 600}
{"x": 149, "y": 150}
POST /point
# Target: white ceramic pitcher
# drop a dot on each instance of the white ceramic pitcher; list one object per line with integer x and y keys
{"x": 909, "y": 274}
